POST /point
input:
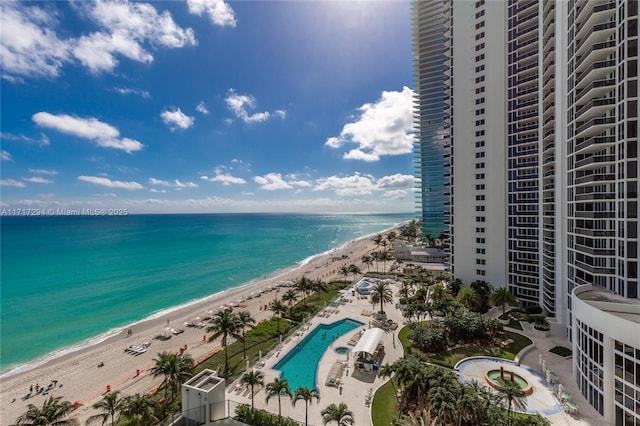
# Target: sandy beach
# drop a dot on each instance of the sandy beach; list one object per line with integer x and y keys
{"x": 78, "y": 378}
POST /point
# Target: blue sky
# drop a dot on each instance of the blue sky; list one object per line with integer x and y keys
{"x": 207, "y": 106}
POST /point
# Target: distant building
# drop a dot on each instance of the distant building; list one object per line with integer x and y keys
{"x": 416, "y": 254}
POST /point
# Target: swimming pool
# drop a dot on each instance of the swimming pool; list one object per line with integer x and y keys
{"x": 300, "y": 365}
{"x": 363, "y": 287}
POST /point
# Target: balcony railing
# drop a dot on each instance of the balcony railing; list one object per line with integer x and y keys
{"x": 595, "y": 66}
{"x": 601, "y": 121}
{"x": 596, "y": 143}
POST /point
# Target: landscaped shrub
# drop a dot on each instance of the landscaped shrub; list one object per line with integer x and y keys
{"x": 561, "y": 350}
{"x": 255, "y": 417}
{"x": 533, "y": 310}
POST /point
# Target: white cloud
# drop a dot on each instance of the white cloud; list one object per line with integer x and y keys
{"x": 175, "y": 184}
{"x": 12, "y": 182}
{"x": 347, "y": 186}
{"x": 37, "y": 179}
{"x": 177, "y": 119}
{"x": 396, "y": 181}
{"x": 202, "y": 109}
{"x": 129, "y": 91}
{"x": 4, "y": 155}
{"x": 225, "y": 179}
{"x": 102, "y": 134}
{"x": 238, "y": 104}
{"x": 29, "y": 45}
{"x": 219, "y": 12}
{"x": 44, "y": 172}
{"x": 127, "y": 26}
{"x": 44, "y": 140}
{"x": 382, "y": 128}
{"x": 271, "y": 182}
{"x": 110, "y": 183}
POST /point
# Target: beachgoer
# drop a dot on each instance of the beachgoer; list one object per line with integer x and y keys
{"x": 37, "y": 387}
{"x": 31, "y": 389}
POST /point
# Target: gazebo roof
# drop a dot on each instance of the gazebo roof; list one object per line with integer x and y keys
{"x": 369, "y": 341}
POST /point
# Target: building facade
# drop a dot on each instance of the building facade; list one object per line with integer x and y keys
{"x": 430, "y": 127}
{"x": 541, "y": 170}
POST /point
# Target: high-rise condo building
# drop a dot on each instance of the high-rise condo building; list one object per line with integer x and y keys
{"x": 429, "y": 27}
{"x": 541, "y": 140}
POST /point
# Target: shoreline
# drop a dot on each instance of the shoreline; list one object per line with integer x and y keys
{"x": 85, "y": 383}
{"x": 68, "y": 351}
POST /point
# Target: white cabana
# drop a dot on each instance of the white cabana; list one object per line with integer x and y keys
{"x": 369, "y": 341}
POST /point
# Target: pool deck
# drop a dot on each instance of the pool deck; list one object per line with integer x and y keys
{"x": 356, "y": 385}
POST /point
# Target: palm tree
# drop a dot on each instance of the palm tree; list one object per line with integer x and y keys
{"x": 382, "y": 293}
{"x": 252, "y": 378}
{"x": 225, "y": 324}
{"x": 303, "y": 285}
{"x": 378, "y": 240}
{"x": 279, "y": 310}
{"x": 502, "y": 296}
{"x": 354, "y": 270}
{"x": 278, "y": 388}
{"x": 52, "y": 413}
{"x": 367, "y": 260}
{"x": 110, "y": 407}
{"x": 290, "y": 296}
{"x": 468, "y": 297}
{"x": 420, "y": 418}
{"x": 175, "y": 368}
{"x": 318, "y": 286}
{"x": 340, "y": 414}
{"x": 345, "y": 271}
{"x": 306, "y": 394}
{"x": 139, "y": 410}
{"x": 513, "y": 395}
{"x": 246, "y": 320}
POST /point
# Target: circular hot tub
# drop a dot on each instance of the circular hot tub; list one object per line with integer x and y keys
{"x": 342, "y": 350}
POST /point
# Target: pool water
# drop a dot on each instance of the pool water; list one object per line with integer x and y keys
{"x": 341, "y": 350}
{"x": 300, "y": 365}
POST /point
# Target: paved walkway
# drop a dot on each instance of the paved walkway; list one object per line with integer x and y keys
{"x": 562, "y": 368}
{"x": 542, "y": 400}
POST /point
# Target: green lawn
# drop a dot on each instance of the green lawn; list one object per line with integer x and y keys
{"x": 452, "y": 357}
{"x": 383, "y": 407}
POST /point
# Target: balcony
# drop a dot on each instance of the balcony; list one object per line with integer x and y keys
{"x": 598, "y": 33}
{"x": 595, "y": 232}
{"x": 594, "y": 126}
{"x": 593, "y": 144}
{"x": 595, "y": 178}
{"x": 591, "y": 13}
{"x": 597, "y": 70}
{"x": 597, "y": 52}
{"x": 597, "y": 107}
{"x": 594, "y": 162}
{"x": 595, "y": 196}
{"x": 595, "y": 251}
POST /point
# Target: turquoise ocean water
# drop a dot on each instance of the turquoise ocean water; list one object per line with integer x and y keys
{"x": 71, "y": 281}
